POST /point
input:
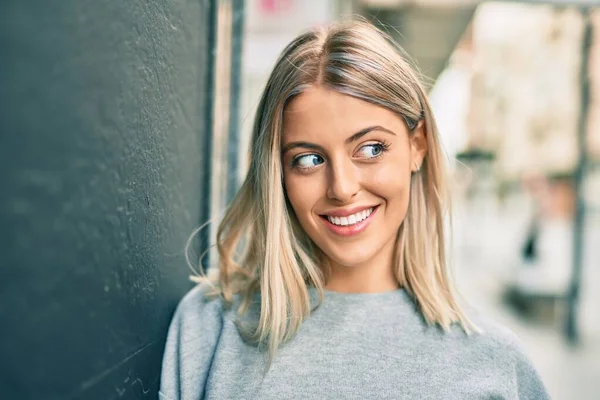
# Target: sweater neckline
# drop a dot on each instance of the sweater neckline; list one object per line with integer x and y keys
{"x": 363, "y": 297}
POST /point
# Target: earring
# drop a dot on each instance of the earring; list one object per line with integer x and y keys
{"x": 417, "y": 167}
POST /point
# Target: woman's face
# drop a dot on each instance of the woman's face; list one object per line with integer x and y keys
{"x": 347, "y": 168}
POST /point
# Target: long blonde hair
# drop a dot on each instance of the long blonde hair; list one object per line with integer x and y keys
{"x": 262, "y": 247}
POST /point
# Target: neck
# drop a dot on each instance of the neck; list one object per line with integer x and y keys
{"x": 376, "y": 275}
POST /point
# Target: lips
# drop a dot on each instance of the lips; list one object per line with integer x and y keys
{"x": 350, "y": 219}
{"x": 345, "y": 222}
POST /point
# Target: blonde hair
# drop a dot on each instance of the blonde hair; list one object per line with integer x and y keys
{"x": 261, "y": 245}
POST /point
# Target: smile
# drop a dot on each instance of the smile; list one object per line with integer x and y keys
{"x": 351, "y": 219}
{"x": 343, "y": 223}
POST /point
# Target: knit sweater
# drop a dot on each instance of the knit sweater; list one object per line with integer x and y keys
{"x": 354, "y": 346}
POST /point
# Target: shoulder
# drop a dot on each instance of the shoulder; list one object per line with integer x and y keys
{"x": 199, "y": 308}
{"x": 198, "y": 320}
{"x": 495, "y": 339}
{"x": 495, "y": 335}
{"x": 501, "y": 349}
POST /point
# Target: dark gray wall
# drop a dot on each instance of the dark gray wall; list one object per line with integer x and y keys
{"x": 101, "y": 155}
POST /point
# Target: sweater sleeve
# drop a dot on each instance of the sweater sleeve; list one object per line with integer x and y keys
{"x": 191, "y": 343}
{"x": 508, "y": 353}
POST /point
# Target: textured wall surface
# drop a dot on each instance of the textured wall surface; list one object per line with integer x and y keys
{"x": 100, "y": 186}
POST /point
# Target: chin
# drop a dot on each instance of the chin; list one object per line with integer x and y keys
{"x": 349, "y": 258}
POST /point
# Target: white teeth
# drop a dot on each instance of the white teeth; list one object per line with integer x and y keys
{"x": 351, "y": 219}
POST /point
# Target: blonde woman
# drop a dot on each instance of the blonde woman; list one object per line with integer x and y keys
{"x": 332, "y": 279}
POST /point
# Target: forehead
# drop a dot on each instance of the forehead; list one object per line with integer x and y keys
{"x": 320, "y": 113}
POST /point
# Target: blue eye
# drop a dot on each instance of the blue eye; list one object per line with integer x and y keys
{"x": 372, "y": 150}
{"x": 308, "y": 161}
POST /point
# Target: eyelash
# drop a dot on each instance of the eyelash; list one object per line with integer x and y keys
{"x": 383, "y": 145}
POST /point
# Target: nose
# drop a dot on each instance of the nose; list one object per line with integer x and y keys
{"x": 344, "y": 181}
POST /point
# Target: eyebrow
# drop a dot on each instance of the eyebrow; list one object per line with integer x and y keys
{"x": 353, "y": 138}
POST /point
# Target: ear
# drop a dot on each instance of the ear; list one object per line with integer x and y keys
{"x": 418, "y": 146}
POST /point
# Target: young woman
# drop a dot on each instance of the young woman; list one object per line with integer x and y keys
{"x": 332, "y": 278}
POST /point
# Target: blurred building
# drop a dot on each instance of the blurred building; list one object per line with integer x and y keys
{"x": 526, "y": 98}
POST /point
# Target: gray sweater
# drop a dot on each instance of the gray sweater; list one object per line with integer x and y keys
{"x": 355, "y": 346}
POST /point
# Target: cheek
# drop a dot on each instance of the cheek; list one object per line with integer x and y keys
{"x": 302, "y": 194}
{"x": 390, "y": 181}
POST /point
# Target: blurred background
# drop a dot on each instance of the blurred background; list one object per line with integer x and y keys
{"x": 125, "y": 125}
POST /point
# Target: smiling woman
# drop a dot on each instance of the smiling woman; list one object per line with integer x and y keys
{"x": 332, "y": 272}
